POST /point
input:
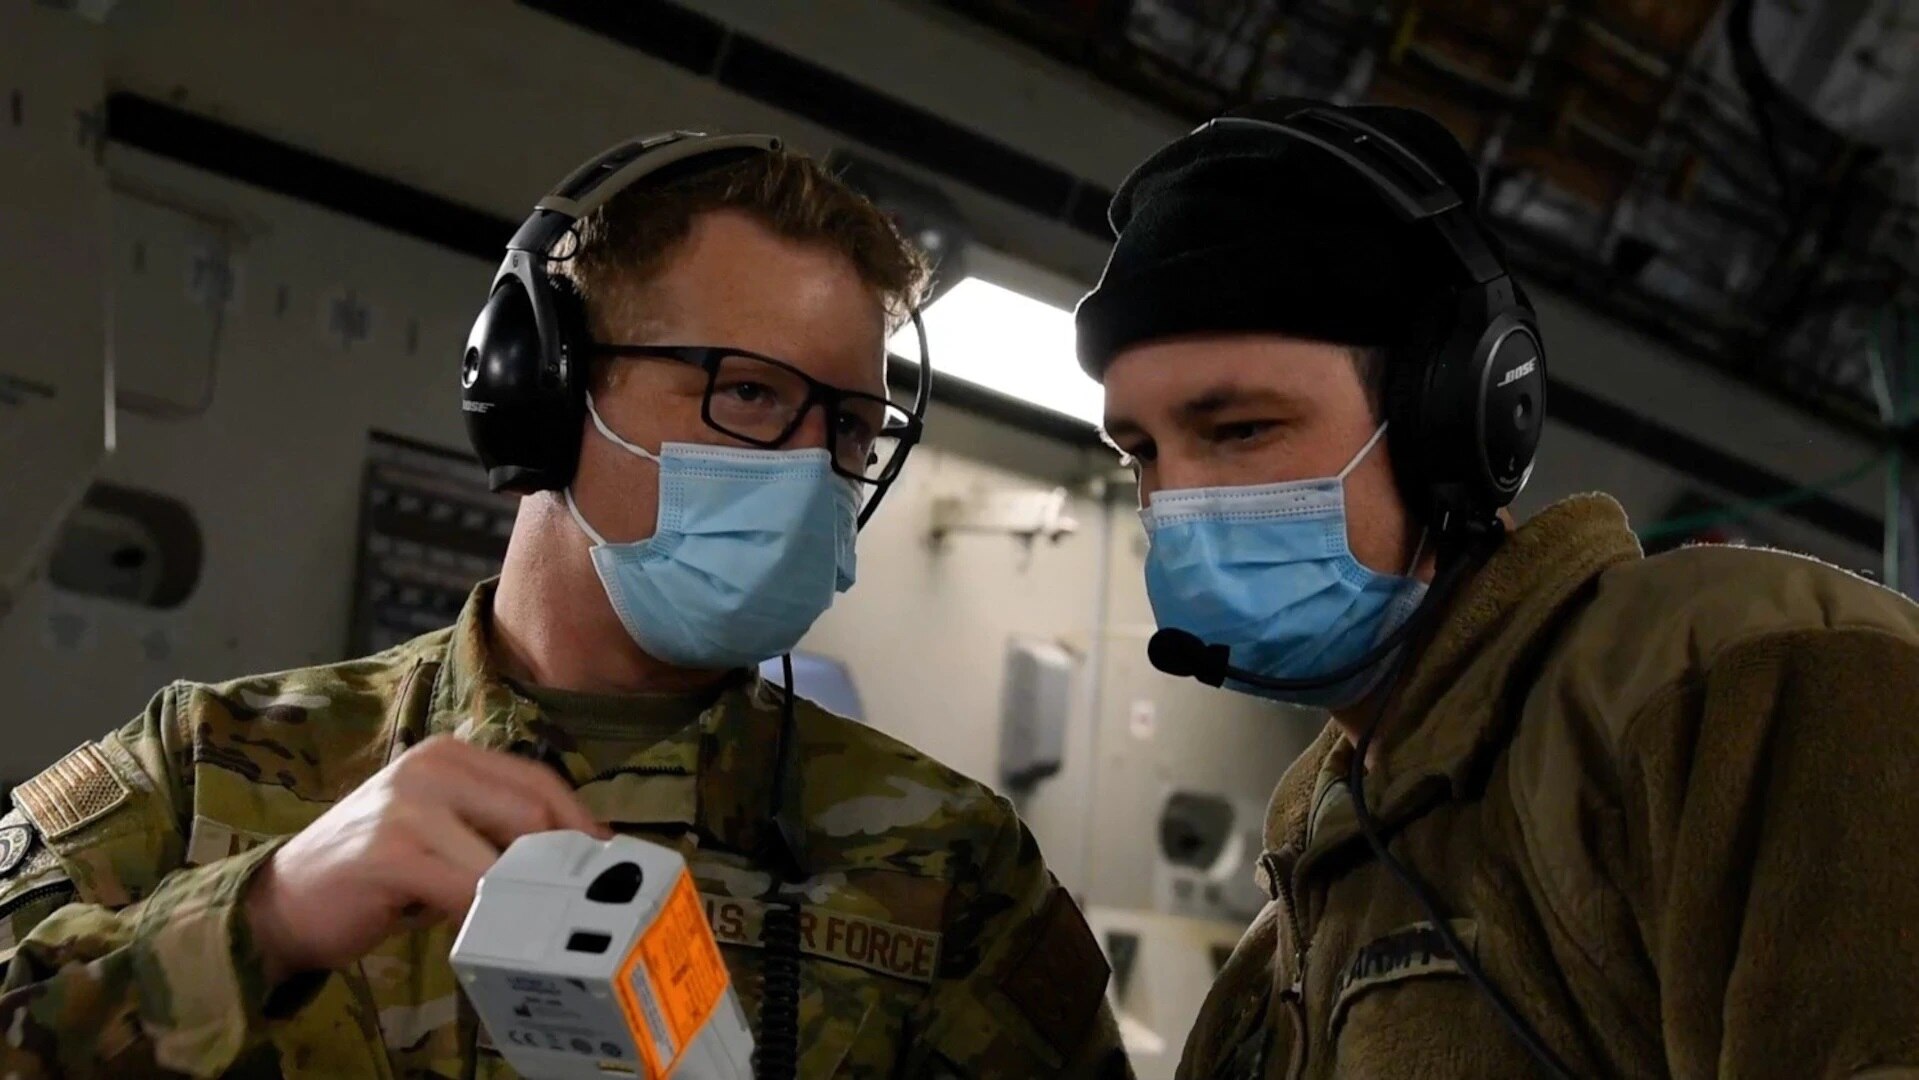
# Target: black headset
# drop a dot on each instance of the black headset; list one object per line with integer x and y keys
{"x": 1464, "y": 414}
{"x": 523, "y": 379}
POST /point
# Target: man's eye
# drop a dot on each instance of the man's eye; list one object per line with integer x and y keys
{"x": 1243, "y": 430}
{"x": 749, "y": 393}
{"x": 1132, "y": 456}
{"x": 856, "y": 428}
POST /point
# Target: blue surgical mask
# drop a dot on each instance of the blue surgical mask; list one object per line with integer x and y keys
{"x": 1266, "y": 571}
{"x": 749, "y": 550}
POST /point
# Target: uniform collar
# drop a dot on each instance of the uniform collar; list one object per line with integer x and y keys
{"x": 1452, "y": 712}
{"x": 713, "y": 775}
{"x": 470, "y": 697}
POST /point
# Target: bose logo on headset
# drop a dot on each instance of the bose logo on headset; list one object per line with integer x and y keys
{"x": 1519, "y": 373}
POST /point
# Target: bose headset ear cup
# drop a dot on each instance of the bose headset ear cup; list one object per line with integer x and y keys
{"x": 1512, "y": 401}
{"x": 1466, "y": 410}
{"x": 522, "y": 406}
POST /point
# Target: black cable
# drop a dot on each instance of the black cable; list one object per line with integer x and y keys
{"x": 1548, "y": 1061}
{"x": 776, "y": 1053}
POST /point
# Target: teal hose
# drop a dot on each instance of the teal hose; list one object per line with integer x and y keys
{"x": 1692, "y": 523}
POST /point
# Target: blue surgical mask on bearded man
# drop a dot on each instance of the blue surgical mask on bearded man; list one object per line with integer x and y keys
{"x": 749, "y": 550}
{"x": 1266, "y": 570}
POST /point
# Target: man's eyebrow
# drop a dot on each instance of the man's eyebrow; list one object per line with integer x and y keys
{"x": 1199, "y": 408}
{"x": 1218, "y": 399}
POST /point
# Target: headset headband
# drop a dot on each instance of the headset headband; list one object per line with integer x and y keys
{"x": 593, "y": 184}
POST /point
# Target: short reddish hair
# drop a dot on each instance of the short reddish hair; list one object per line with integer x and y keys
{"x": 625, "y": 242}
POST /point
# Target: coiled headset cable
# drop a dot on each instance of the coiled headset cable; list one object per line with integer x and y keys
{"x": 776, "y": 1053}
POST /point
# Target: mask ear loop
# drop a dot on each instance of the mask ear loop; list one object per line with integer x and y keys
{"x": 631, "y": 448}
{"x": 580, "y": 520}
{"x": 1425, "y": 533}
{"x": 1363, "y": 451}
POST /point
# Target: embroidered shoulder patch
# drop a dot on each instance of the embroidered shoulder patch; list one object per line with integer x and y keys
{"x": 14, "y": 842}
{"x": 74, "y": 792}
{"x": 1409, "y": 952}
{"x": 1060, "y": 980}
{"x": 22, "y": 855}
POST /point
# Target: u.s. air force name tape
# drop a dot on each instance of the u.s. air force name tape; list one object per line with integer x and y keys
{"x": 883, "y": 947}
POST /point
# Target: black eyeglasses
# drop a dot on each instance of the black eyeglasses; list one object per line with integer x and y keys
{"x": 762, "y": 402}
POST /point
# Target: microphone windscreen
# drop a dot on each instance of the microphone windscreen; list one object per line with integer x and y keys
{"x": 1177, "y": 653}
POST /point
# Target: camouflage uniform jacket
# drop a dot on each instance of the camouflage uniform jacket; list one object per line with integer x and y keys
{"x": 936, "y": 942}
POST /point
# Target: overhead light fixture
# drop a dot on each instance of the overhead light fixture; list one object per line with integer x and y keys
{"x": 1009, "y": 343}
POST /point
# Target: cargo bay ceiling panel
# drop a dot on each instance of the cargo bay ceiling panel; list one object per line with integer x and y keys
{"x": 1735, "y": 177}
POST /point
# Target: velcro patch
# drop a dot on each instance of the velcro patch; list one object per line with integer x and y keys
{"x": 1409, "y": 952}
{"x": 1060, "y": 980}
{"x": 74, "y": 792}
{"x": 883, "y": 947}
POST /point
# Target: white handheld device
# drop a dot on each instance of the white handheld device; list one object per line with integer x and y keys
{"x": 594, "y": 959}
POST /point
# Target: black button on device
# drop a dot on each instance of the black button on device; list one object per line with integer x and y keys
{"x": 617, "y": 884}
{"x": 587, "y": 941}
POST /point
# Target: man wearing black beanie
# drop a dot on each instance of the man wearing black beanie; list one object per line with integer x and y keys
{"x": 1578, "y": 812}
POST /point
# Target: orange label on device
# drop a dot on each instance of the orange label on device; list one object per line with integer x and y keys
{"x": 672, "y": 980}
{"x": 685, "y": 961}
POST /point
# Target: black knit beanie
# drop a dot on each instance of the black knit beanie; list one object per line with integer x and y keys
{"x": 1236, "y": 230}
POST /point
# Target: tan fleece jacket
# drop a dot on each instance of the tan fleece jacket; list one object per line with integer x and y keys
{"x": 1667, "y": 803}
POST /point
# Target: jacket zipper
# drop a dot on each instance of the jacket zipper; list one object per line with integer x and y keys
{"x": 1295, "y": 995}
{"x": 36, "y": 893}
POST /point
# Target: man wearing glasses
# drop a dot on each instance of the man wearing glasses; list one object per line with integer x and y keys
{"x": 265, "y": 877}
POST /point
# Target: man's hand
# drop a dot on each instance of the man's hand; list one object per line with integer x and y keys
{"x": 416, "y": 837}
